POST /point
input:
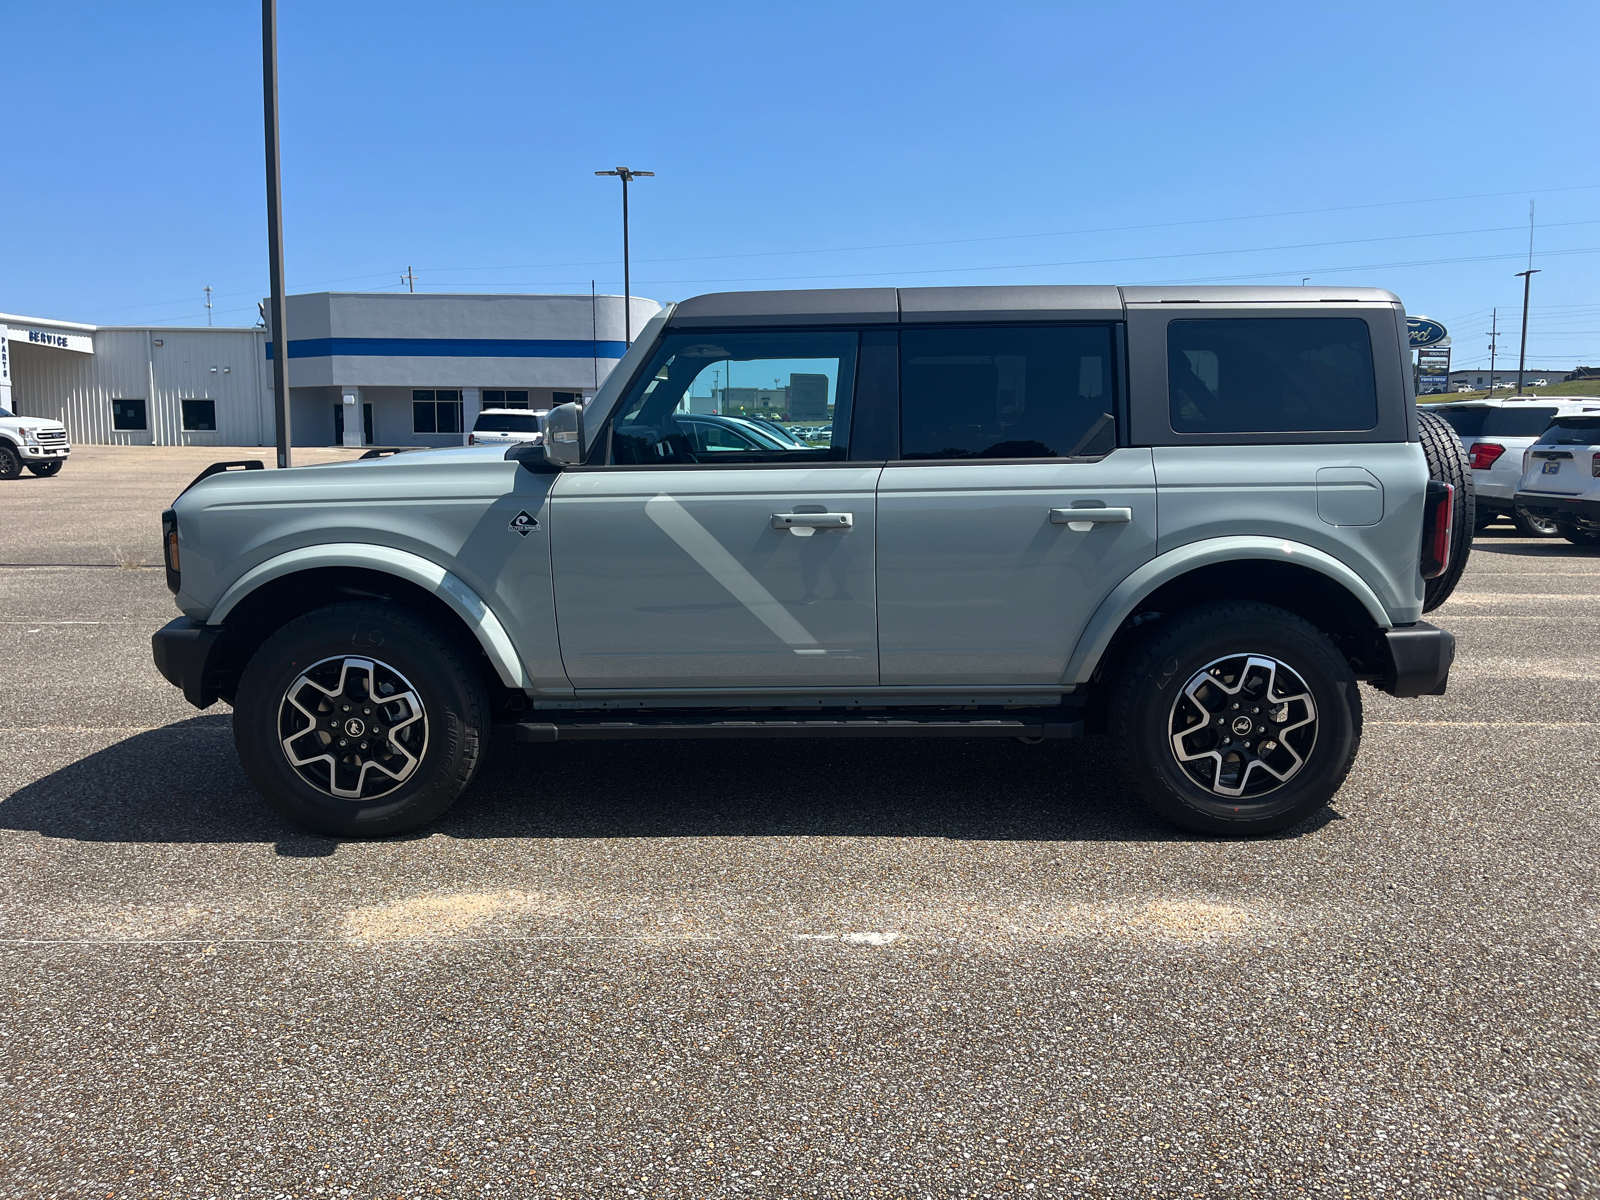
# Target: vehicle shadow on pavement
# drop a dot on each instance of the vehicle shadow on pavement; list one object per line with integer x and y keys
{"x": 1553, "y": 548}
{"x": 182, "y": 783}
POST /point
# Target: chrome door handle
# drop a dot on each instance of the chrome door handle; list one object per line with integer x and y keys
{"x": 805, "y": 524}
{"x": 1081, "y": 520}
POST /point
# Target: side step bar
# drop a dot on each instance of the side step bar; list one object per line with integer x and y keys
{"x": 1028, "y": 726}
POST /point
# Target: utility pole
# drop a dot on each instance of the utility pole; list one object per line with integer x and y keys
{"x": 409, "y": 280}
{"x": 1494, "y": 337}
{"x": 627, "y": 175}
{"x": 208, "y": 305}
{"x": 1527, "y": 281}
{"x": 278, "y": 327}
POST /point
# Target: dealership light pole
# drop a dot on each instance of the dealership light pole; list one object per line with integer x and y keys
{"x": 277, "y": 326}
{"x": 626, "y": 174}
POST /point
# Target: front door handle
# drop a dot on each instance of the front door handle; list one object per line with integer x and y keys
{"x": 805, "y": 524}
{"x": 1081, "y": 520}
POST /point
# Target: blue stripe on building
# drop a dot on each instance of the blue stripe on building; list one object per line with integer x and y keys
{"x": 450, "y": 348}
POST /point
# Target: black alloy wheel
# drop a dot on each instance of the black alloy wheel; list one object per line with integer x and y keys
{"x": 10, "y": 462}
{"x": 361, "y": 719}
{"x": 1234, "y": 717}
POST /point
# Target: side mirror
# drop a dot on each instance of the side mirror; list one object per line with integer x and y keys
{"x": 561, "y": 446}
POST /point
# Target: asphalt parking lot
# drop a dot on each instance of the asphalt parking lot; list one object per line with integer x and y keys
{"x": 779, "y": 969}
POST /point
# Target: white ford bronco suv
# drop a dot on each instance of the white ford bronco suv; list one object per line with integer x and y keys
{"x": 1192, "y": 519}
{"x": 37, "y": 443}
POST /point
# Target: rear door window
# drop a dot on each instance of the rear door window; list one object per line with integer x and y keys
{"x": 1271, "y": 375}
{"x": 1006, "y": 391}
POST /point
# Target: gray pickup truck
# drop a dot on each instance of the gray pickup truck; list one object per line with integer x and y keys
{"x": 1191, "y": 519}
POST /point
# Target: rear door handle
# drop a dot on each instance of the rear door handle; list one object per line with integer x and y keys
{"x": 1081, "y": 520}
{"x": 805, "y": 524}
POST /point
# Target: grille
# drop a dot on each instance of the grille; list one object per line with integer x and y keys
{"x": 52, "y": 437}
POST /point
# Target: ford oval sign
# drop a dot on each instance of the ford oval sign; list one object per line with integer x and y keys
{"x": 1422, "y": 332}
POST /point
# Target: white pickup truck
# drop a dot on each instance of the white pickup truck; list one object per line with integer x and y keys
{"x": 37, "y": 443}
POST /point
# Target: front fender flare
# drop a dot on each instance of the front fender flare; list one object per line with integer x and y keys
{"x": 463, "y": 601}
{"x": 1164, "y": 568}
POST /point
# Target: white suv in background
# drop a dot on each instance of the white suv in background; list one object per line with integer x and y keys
{"x": 1562, "y": 480}
{"x": 504, "y": 426}
{"x": 1495, "y": 434}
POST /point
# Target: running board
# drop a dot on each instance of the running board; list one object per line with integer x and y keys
{"x": 880, "y": 727}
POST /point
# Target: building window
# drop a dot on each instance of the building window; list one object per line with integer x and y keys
{"x": 128, "y": 414}
{"x": 565, "y": 398}
{"x": 435, "y": 412}
{"x": 200, "y": 415}
{"x": 496, "y": 398}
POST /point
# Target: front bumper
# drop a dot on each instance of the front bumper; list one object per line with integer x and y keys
{"x": 1542, "y": 504}
{"x": 1419, "y": 660}
{"x": 46, "y": 451}
{"x": 185, "y": 654}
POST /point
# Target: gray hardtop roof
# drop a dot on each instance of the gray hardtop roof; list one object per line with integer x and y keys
{"x": 1025, "y": 302}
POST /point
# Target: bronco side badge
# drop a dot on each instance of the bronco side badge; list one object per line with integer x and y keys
{"x": 523, "y": 523}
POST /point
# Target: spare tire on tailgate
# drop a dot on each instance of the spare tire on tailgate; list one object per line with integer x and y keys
{"x": 1447, "y": 462}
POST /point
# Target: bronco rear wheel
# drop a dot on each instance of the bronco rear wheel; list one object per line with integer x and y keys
{"x": 1235, "y": 718}
{"x": 360, "y": 720}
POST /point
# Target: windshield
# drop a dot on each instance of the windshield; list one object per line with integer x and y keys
{"x": 1573, "y": 431}
{"x": 506, "y": 423}
{"x": 6, "y": 412}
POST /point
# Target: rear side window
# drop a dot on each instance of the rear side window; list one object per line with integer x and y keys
{"x": 1518, "y": 422}
{"x": 1467, "y": 422}
{"x": 1271, "y": 375}
{"x": 1006, "y": 391}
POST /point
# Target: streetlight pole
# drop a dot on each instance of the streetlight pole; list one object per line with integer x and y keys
{"x": 278, "y": 326}
{"x": 627, "y": 175}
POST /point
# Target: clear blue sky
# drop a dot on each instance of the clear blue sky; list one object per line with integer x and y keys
{"x": 809, "y": 145}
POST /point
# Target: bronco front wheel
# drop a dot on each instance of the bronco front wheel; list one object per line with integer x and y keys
{"x": 1235, "y": 718}
{"x": 360, "y": 720}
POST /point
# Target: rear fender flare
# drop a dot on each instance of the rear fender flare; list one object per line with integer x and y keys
{"x": 1164, "y": 568}
{"x": 463, "y": 601}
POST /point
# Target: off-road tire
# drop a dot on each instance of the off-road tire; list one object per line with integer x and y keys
{"x": 1174, "y": 650}
{"x": 46, "y": 469}
{"x": 1447, "y": 462}
{"x": 1530, "y": 526}
{"x": 10, "y": 462}
{"x": 436, "y": 666}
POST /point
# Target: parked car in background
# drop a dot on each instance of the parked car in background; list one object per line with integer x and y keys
{"x": 1539, "y": 383}
{"x": 37, "y": 443}
{"x": 1495, "y": 432}
{"x": 504, "y": 426}
{"x": 1562, "y": 481}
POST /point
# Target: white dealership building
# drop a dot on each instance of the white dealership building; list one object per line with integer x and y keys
{"x": 365, "y": 368}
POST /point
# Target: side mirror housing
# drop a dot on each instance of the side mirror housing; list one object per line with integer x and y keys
{"x": 561, "y": 445}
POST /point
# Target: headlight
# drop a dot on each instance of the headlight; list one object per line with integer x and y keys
{"x": 31, "y": 436}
